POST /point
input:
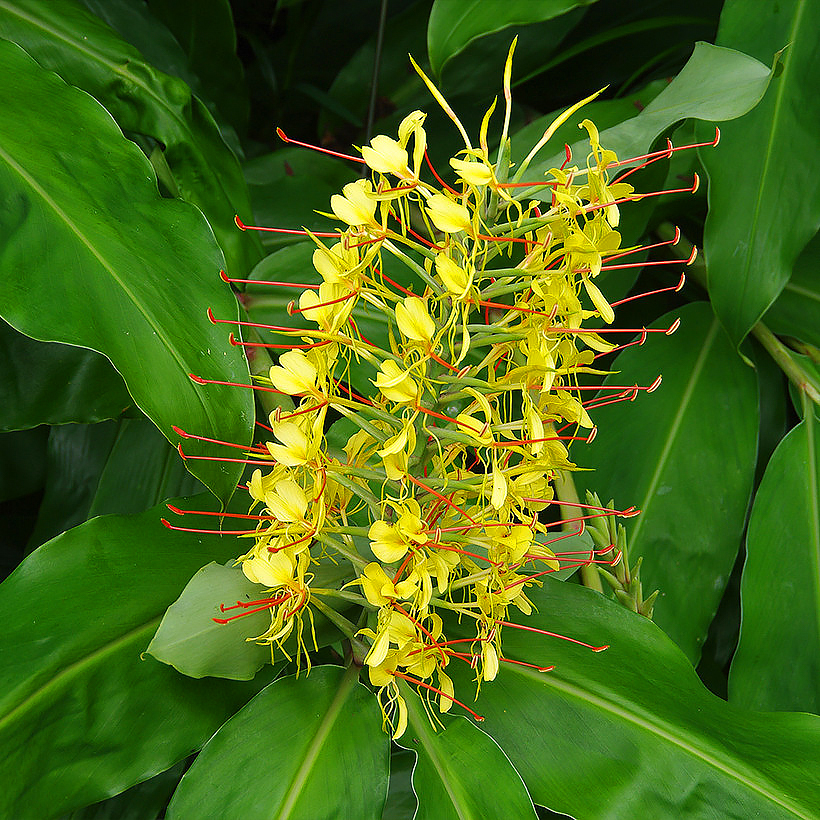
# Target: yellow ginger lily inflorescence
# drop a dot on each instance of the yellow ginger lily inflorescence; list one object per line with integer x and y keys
{"x": 438, "y": 500}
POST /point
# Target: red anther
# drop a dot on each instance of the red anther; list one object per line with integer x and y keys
{"x": 243, "y": 227}
{"x": 224, "y": 276}
{"x": 250, "y": 448}
{"x": 673, "y": 327}
{"x": 179, "y": 431}
{"x": 292, "y": 309}
{"x": 286, "y": 139}
{"x": 443, "y": 498}
{"x": 592, "y": 434}
{"x": 553, "y": 635}
{"x": 272, "y": 284}
{"x": 186, "y": 457}
{"x": 655, "y": 385}
{"x": 673, "y": 288}
{"x": 200, "y": 380}
{"x": 638, "y": 342}
{"x": 673, "y": 241}
{"x": 170, "y": 526}
{"x": 530, "y": 665}
{"x": 605, "y": 387}
{"x": 438, "y": 178}
{"x": 243, "y": 516}
{"x": 210, "y": 315}
{"x": 601, "y": 330}
{"x": 567, "y": 154}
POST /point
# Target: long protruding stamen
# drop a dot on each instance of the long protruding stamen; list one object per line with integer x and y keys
{"x": 180, "y": 432}
{"x": 248, "y": 461}
{"x": 656, "y": 263}
{"x": 201, "y": 380}
{"x": 290, "y": 231}
{"x": 289, "y": 141}
{"x": 553, "y": 635}
{"x": 225, "y": 278}
{"x": 417, "y": 682}
{"x": 672, "y": 288}
{"x": 171, "y": 526}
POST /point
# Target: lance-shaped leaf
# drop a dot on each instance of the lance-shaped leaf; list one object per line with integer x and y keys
{"x": 310, "y": 747}
{"x": 453, "y": 26}
{"x": 685, "y": 456}
{"x": 460, "y": 772}
{"x": 716, "y": 84}
{"x": 196, "y": 163}
{"x": 797, "y": 310}
{"x": 777, "y": 661}
{"x": 764, "y": 178}
{"x": 82, "y": 715}
{"x": 92, "y": 255}
{"x": 631, "y": 731}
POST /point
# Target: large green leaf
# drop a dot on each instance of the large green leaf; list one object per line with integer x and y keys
{"x": 453, "y": 26}
{"x": 311, "y": 747}
{"x": 631, "y": 732}
{"x": 136, "y": 272}
{"x": 451, "y": 777}
{"x": 84, "y": 51}
{"x": 763, "y": 205}
{"x": 82, "y": 715}
{"x": 777, "y": 661}
{"x": 797, "y": 310}
{"x": 716, "y": 84}
{"x": 55, "y": 384}
{"x": 685, "y": 456}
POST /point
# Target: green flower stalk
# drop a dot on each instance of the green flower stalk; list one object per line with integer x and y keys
{"x": 441, "y": 501}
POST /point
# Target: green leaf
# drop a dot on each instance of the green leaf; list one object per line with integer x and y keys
{"x": 777, "y": 662}
{"x": 88, "y": 54}
{"x": 631, "y": 732}
{"x": 55, "y": 384}
{"x": 82, "y": 715}
{"x": 192, "y": 642}
{"x": 764, "y": 178}
{"x": 401, "y": 799}
{"x": 667, "y": 453}
{"x": 137, "y": 272}
{"x": 22, "y": 462}
{"x": 452, "y": 775}
{"x": 311, "y": 748}
{"x": 716, "y": 84}
{"x": 797, "y": 310}
{"x": 454, "y": 25}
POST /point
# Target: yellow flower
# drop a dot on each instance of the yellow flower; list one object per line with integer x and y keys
{"x": 379, "y": 589}
{"x": 448, "y": 216}
{"x": 396, "y": 384}
{"x": 358, "y": 206}
{"x": 473, "y": 173}
{"x": 413, "y": 319}
{"x": 295, "y": 374}
{"x": 386, "y": 156}
{"x": 387, "y": 542}
{"x": 456, "y": 279}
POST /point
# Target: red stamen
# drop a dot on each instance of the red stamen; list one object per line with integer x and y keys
{"x": 243, "y": 516}
{"x": 600, "y": 330}
{"x": 638, "y": 342}
{"x": 553, "y": 635}
{"x": 417, "y": 682}
{"x": 637, "y": 197}
{"x": 438, "y": 178}
{"x": 224, "y": 277}
{"x": 230, "y": 460}
{"x": 214, "y": 321}
{"x": 649, "y": 388}
{"x": 286, "y": 139}
{"x": 201, "y": 380}
{"x": 675, "y": 288}
{"x": 673, "y": 241}
{"x": 180, "y": 432}
{"x": 273, "y": 602}
{"x": 170, "y": 526}
{"x": 290, "y": 231}
{"x": 687, "y": 262}
{"x": 292, "y": 309}
{"x": 232, "y": 340}
{"x": 443, "y": 498}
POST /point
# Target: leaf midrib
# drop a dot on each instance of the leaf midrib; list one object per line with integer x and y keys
{"x": 674, "y": 428}
{"x": 109, "y": 269}
{"x": 76, "y": 667}
{"x": 666, "y": 734}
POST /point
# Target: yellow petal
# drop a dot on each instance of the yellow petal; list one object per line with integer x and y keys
{"x": 448, "y": 216}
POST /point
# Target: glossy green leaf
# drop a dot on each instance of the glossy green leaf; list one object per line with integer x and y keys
{"x": 777, "y": 662}
{"x": 452, "y": 774}
{"x": 401, "y": 799}
{"x": 22, "y": 462}
{"x": 631, "y": 732}
{"x": 84, "y": 51}
{"x": 452, "y": 26}
{"x": 764, "y": 178}
{"x": 55, "y": 384}
{"x": 310, "y": 747}
{"x": 716, "y": 84}
{"x": 685, "y": 456}
{"x": 797, "y": 310}
{"x": 82, "y": 715}
{"x": 137, "y": 272}
{"x": 192, "y": 642}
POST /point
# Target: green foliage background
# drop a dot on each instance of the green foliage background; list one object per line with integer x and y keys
{"x": 133, "y": 132}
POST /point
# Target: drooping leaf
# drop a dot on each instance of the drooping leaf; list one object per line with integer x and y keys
{"x": 716, "y": 84}
{"x": 764, "y": 206}
{"x": 66, "y": 38}
{"x": 685, "y": 456}
{"x": 136, "y": 271}
{"x": 82, "y": 715}
{"x": 631, "y": 732}
{"x": 453, "y": 26}
{"x": 55, "y": 384}
{"x": 310, "y": 747}
{"x": 452, "y": 779}
{"x": 777, "y": 662}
